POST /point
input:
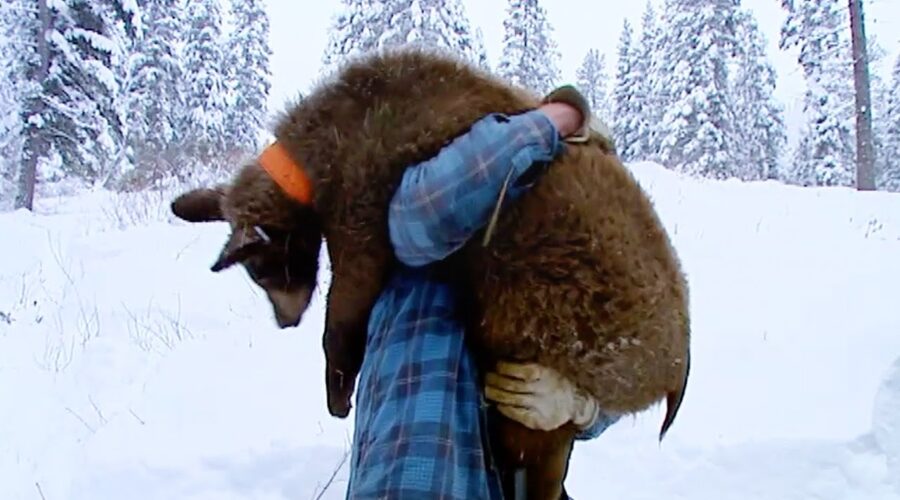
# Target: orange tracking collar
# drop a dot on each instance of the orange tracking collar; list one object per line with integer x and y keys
{"x": 289, "y": 176}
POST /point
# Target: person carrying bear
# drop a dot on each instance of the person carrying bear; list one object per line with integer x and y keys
{"x": 421, "y": 413}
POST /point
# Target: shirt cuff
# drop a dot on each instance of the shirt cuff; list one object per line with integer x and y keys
{"x": 541, "y": 146}
{"x": 599, "y": 426}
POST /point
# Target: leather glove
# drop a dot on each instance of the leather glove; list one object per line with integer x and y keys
{"x": 568, "y": 94}
{"x": 539, "y": 397}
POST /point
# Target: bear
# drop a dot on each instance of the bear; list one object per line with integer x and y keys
{"x": 578, "y": 274}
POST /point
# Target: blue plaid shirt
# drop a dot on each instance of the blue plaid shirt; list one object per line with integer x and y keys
{"x": 420, "y": 415}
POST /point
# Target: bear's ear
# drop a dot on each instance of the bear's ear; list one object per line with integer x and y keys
{"x": 200, "y": 205}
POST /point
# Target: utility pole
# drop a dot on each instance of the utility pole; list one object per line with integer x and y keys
{"x": 865, "y": 150}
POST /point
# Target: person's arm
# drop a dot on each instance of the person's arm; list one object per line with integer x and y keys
{"x": 441, "y": 202}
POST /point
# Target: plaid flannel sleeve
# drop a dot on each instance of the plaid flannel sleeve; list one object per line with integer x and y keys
{"x": 443, "y": 201}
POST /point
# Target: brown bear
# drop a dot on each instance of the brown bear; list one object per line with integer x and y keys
{"x": 578, "y": 274}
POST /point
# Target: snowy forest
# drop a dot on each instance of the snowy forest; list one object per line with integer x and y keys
{"x": 134, "y": 94}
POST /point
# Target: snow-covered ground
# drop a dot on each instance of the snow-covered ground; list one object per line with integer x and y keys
{"x": 129, "y": 370}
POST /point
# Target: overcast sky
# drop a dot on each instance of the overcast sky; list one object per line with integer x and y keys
{"x": 299, "y": 34}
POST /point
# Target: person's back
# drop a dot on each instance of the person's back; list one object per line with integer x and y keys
{"x": 420, "y": 422}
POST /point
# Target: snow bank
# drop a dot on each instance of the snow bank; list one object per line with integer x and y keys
{"x": 129, "y": 370}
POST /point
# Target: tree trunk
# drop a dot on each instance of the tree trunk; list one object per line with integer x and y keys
{"x": 35, "y": 145}
{"x": 865, "y": 151}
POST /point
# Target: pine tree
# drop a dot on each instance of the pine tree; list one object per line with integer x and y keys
{"x": 530, "y": 55}
{"x": 626, "y": 100}
{"x": 69, "y": 79}
{"x": 439, "y": 24}
{"x": 591, "y": 79}
{"x": 90, "y": 58}
{"x": 826, "y": 154}
{"x": 249, "y": 74}
{"x": 890, "y": 173}
{"x": 122, "y": 20}
{"x": 205, "y": 93}
{"x": 646, "y": 74}
{"x": 364, "y": 26}
{"x": 760, "y": 125}
{"x": 155, "y": 95}
{"x": 481, "y": 57}
{"x": 697, "y": 133}
{"x": 880, "y": 93}
{"x": 13, "y": 32}
{"x": 32, "y": 68}
{"x": 355, "y": 30}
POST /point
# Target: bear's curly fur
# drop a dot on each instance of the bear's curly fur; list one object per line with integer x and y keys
{"x": 579, "y": 273}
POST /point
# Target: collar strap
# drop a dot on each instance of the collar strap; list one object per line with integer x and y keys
{"x": 288, "y": 174}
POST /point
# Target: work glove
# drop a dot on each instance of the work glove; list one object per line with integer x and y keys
{"x": 568, "y": 94}
{"x": 539, "y": 397}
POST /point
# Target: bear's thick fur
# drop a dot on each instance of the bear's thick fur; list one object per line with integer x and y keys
{"x": 579, "y": 273}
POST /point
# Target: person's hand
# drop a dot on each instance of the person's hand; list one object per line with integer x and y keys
{"x": 539, "y": 397}
{"x": 565, "y": 117}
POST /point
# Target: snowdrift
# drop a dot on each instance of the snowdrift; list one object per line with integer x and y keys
{"x": 128, "y": 370}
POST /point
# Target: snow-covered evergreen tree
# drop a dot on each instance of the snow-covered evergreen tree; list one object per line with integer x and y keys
{"x": 26, "y": 26}
{"x": 205, "y": 93}
{"x": 646, "y": 74}
{"x": 250, "y": 75}
{"x": 890, "y": 172}
{"x": 760, "y": 124}
{"x": 626, "y": 98}
{"x": 530, "y": 55}
{"x": 122, "y": 20}
{"x": 13, "y": 32}
{"x": 481, "y": 57}
{"x": 364, "y": 26}
{"x": 155, "y": 94}
{"x": 87, "y": 75}
{"x": 69, "y": 79}
{"x": 356, "y": 29}
{"x": 592, "y": 81}
{"x": 697, "y": 133}
{"x": 826, "y": 153}
{"x": 437, "y": 23}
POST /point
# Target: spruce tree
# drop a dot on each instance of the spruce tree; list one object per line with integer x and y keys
{"x": 697, "y": 132}
{"x": 481, "y": 57}
{"x": 890, "y": 173}
{"x": 826, "y": 154}
{"x": 27, "y": 32}
{"x": 626, "y": 98}
{"x": 646, "y": 73}
{"x": 760, "y": 125}
{"x": 205, "y": 91}
{"x": 122, "y": 20}
{"x": 70, "y": 79}
{"x": 356, "y": 29}
{"x": 14, "y": 27}
{"x": 592, "y": 81}
{"x": 249, "y": 74}
{"x": 881, "y": 104}
{"x": 530, "y": 55}
{"x": 155, "y": 97}
{"x": 364, "y": 26}
{"x": 440, "y": 24}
